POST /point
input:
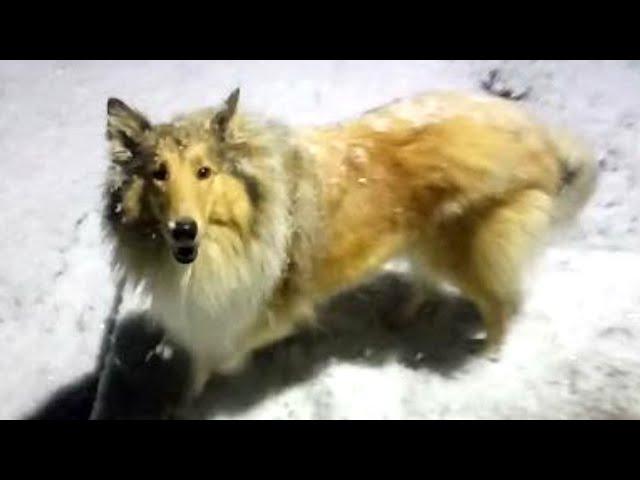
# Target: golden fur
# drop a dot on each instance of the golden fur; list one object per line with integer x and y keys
{"x": 464, "y": 185}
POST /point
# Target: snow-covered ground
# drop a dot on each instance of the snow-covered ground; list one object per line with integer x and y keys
{"x": 574, "y": 352}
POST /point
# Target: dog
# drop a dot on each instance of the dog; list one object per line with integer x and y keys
{"x": 238, "y": 226}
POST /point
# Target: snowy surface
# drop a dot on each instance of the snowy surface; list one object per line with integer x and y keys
{"x": 574, "y": 352}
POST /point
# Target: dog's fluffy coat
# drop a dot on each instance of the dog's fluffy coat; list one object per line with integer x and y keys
{"x": 464, "y": 185}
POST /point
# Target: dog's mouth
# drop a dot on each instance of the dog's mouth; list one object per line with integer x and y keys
{"x": 185, "y": 254}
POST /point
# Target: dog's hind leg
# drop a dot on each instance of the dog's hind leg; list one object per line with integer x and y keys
{"x": 485, "y": 253}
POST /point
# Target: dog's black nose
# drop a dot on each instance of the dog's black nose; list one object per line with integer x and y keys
{"x": 185, "y": 229}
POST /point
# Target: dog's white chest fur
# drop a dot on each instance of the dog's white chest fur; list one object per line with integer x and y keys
{"x": 209, "y": 306}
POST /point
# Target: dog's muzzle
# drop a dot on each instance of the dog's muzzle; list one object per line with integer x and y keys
{"x": 184, "y": 232}
{"x": 185, "y": 254}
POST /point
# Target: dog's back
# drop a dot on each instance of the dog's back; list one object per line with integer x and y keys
{"x": 467, "y": 184}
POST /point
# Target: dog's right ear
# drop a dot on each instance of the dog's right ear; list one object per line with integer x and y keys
{"x": 125, "y": 129}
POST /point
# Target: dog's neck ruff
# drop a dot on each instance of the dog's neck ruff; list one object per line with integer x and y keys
{"x": 209, "y": 304}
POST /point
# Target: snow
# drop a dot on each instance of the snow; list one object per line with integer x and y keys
{"x": 574, "y": 352}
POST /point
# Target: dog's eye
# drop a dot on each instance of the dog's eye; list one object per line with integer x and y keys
{"x": 204, "y": 172}
{"x": 161, "y": 173}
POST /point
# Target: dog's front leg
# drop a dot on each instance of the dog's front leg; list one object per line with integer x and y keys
{"x": 145, "y": 376}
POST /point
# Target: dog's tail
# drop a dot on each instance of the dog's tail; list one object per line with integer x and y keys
{"x": 579, "y": 175}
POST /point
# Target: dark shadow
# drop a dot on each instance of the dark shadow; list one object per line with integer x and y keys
{"x": 139, "y": 375}
{"x": 134, "y": 379}
{"x": 71, "y": 402}
{"x": 145, "y": 375}
{"x": 362, "y": 326}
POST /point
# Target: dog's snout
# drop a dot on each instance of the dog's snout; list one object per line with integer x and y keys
{"x": 184, "y": 230}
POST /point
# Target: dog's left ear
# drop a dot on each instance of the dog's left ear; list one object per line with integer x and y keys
{"x": 222, "y": 119}
{"x": 125, "y": 129}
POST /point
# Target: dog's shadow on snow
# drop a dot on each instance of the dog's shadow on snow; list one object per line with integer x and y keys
{"x": 358, "y": 326}
{"x": 363, "y": 326}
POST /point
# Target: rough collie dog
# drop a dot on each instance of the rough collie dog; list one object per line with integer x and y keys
{"x": 237, "y": 226}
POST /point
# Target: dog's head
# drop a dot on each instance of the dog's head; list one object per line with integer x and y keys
{"x": 177, "y": 181}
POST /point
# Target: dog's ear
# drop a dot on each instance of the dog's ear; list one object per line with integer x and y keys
{"x": 125, "y": 129}
{"x": 222, "y": 118}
